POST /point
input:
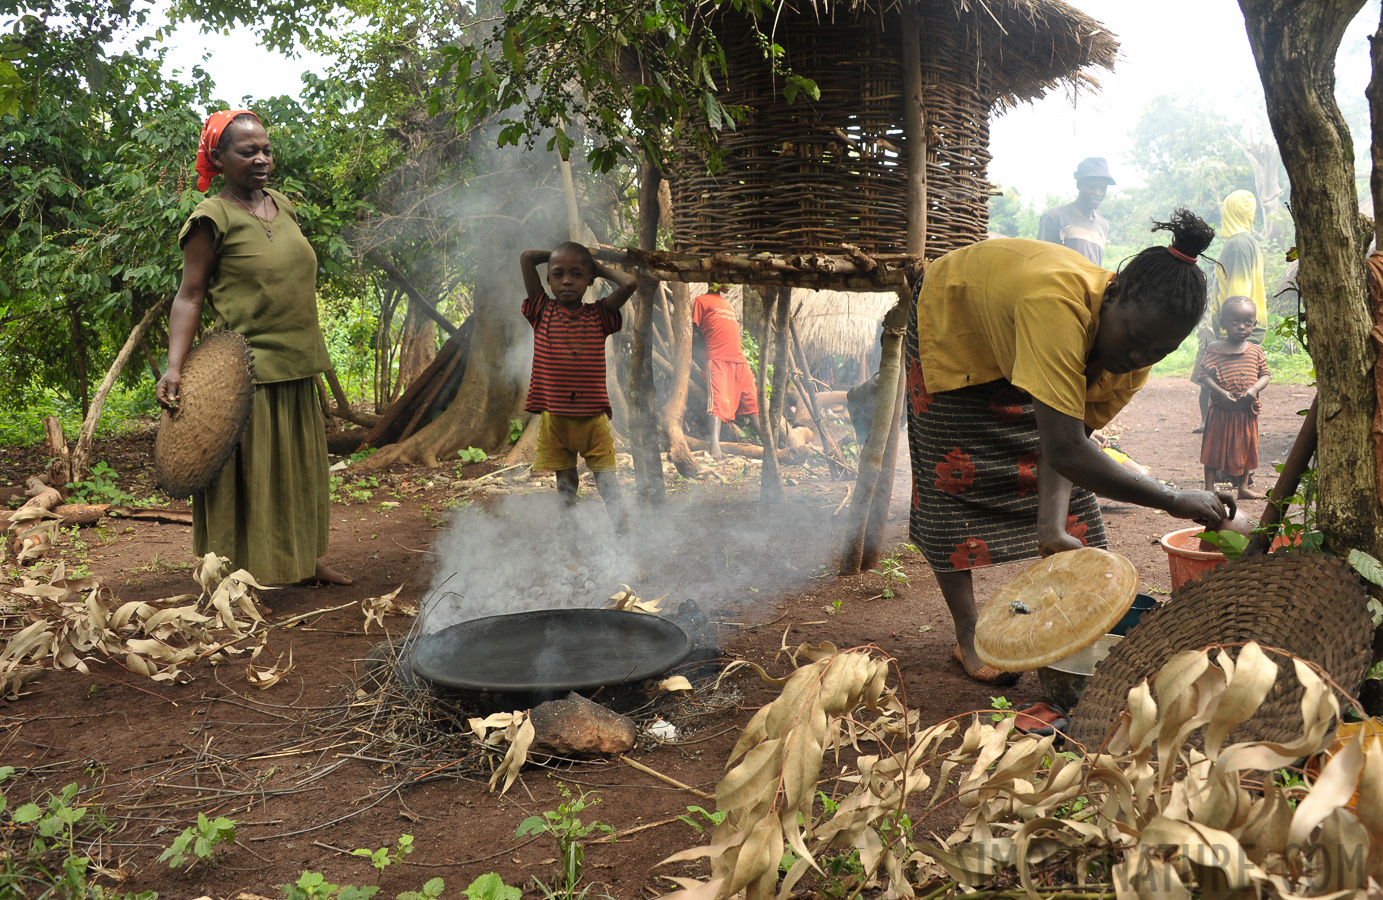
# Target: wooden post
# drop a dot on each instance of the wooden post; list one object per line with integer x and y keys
{"x": 874, "y": 485}
{"x": 771, "y": 488}
{"x": 676, "y": 406}
{"x": 60, "y": 469}
{"x": 915, "y": 135}
{"x": 829, "y": 447}
{"x": 876, "y": 446}
{"x": 768, "y": 477}
{"x": 643, "y": 416}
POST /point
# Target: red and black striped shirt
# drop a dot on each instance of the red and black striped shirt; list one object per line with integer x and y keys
{"x": 569, "y": 356}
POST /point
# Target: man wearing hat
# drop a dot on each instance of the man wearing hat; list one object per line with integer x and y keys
{"x": 1077, "y": 225}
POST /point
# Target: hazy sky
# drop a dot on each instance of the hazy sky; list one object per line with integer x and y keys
{"x": 1183, "y": 47}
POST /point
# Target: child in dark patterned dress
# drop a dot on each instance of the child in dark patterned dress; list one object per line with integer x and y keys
{"x": 1235, "y": 372}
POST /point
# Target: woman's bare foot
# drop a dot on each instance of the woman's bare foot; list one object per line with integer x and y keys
{"x": 325, "y": 574}
{"x": 1248, "y": 493}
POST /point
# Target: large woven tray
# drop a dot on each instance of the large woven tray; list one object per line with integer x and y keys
{"x": 217, "y": 393}
{"x": 1308, "y": 604}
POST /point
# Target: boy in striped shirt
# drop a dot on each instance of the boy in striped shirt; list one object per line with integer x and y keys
{"x": 568, "y": 385}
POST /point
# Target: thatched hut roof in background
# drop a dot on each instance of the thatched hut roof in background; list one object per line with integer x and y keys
{"x": 1033, "y": 46}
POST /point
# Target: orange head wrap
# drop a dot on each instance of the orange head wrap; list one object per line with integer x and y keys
{"x": 211, "y": 136}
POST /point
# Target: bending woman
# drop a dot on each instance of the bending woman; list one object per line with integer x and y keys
{"x": 1016, "y": 351}
{"x": 268, "y": 510}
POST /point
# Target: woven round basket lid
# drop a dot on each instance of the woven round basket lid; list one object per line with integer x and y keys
{"x": 1056, "y": 607}
{"x": 1308, "y": 604}
{"x": 217, "y": 392}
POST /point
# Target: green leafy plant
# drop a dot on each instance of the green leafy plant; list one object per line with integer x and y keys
{"x": 487, "y": 887}
{"x": 565, "y": 826}
{"x": 362, "y": 455}
{"x": 39, "y": 856}
{"x": 1231, "y": 543}
{"x": 700, "y": 820}
{"x": 515, "y": 430}
{"x": 472, "y": 455}
{"x": 199, "y": 843}
{"x": 891, "y": 568}
{"x": 1372, "y": 571}
{"x": 385, "y": 857}
{"x": 314, "y": 886}
{"x": 99, "y": 487}
{"x": 1001, "y": 704}
{"x": 433, "y": 889}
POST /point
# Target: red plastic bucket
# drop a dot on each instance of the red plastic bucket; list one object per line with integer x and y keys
{"x": 1185, "y": 560}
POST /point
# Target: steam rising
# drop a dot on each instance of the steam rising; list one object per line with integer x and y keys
{"x": 531, "y": 554}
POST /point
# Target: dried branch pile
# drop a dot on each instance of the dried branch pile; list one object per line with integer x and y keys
{"x": 1153, "y": 814}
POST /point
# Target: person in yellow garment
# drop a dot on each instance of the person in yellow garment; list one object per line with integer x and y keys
{"x": 244, "y": 256}
{"x": 1238, "y": 273}
{"x": 1017, "y": 351}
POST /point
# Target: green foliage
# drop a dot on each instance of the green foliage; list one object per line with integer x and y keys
{"x": 385, "y": 857}
{"x": 565, "y": 826}
{"x": 198, "y": 844}
{"x": 1231, "y": 543}
{"x": 1003, "y": 704}
{"x": 100, "y": 487}
{"x": 547, "y": 66}
{"x": 1011, "y": 217}
{"x": 516, "y": 427}
{"x": 487, "y": 887}
{"x": 1371, "y": 569}
{"x": 703, "y": 820}
{"x": 472, "y": 455}
{"x": 41, "y": 856}
{"x": 314, "y": 886}
{"x": 891, "y": 567}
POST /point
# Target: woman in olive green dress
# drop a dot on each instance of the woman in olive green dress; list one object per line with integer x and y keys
{"x": 243, "y": 254}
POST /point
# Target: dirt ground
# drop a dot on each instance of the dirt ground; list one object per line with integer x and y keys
{"x": 307, "y": 789}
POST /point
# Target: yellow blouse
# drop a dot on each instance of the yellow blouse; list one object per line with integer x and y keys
{"x": 1023, "y": 310}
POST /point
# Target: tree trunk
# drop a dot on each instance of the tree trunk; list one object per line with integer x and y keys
{"x": 417, "y": 349}
{"x": 643, "y": 406}
{"x": 81, "y": 454}
{"x": 1294, "y": 45}
{"x": 60, "y": 468}
{"x": 1374, "y": 93}
{"x": 676, "y": 406}
{"x": 883, "y": 493}
{"x": 872, "y": 455}
{"x": 79, "y": 350}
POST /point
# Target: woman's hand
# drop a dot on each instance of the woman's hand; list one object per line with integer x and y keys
{"x": 1203, "y": 507}
{"x": 169, "y": 389}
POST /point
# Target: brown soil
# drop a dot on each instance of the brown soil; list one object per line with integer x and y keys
{"x": 154, "y": 756}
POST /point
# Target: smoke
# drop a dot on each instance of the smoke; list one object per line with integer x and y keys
{"x": 530, "y": 554}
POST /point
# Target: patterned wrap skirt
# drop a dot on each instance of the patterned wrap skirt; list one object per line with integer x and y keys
{"x": 974, "y": 473}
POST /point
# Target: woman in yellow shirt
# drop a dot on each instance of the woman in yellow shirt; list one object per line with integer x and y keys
{"x": 1017, "y": 350}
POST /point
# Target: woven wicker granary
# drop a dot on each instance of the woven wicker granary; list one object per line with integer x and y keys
{"x": 811, "y": 175}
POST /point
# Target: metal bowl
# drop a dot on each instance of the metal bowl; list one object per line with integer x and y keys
{"x": 550, "y": 650}
{"x": 1064, "y": 680}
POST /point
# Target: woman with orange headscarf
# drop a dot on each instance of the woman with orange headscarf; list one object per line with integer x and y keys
{"x": 244, "y": 256}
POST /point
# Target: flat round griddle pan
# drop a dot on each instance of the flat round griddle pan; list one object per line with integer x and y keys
{"x": 550, "y": 650}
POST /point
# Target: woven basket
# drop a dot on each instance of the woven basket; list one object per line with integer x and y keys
{"x": 217, "y": 392}
{"x": 1308, "y": 604}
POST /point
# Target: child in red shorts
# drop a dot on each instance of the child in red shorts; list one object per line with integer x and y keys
{"x": 568, "y": 385}
{"x": 730, "y": 388}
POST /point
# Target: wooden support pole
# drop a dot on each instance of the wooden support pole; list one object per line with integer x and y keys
{"x": 872, "y": 456}
{"x": 829, "y": 447}
{"x": 675, "y": 408}
{"x": 915, "y": 134}
{"x": 853, "y": 271}
{"x": 643, "y": 413}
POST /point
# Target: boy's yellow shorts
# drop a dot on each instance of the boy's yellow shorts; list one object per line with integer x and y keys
{"x": 561, "y": 438}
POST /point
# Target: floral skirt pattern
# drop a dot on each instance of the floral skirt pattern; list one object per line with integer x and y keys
{"x": 974, "y": 473}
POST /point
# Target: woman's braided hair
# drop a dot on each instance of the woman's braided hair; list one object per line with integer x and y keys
{"x": 1168, "y": 277}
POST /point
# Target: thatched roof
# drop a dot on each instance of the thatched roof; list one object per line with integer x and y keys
{"x": 1032, "y": 46}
